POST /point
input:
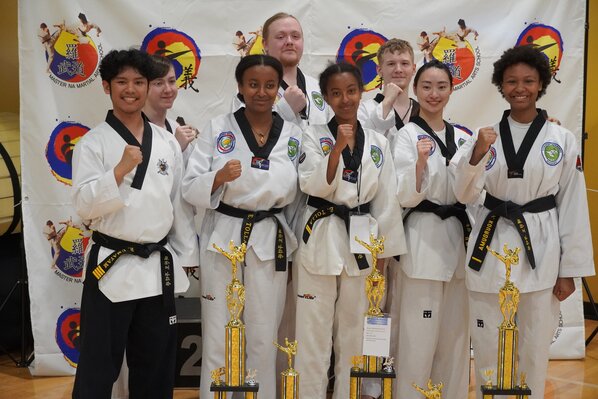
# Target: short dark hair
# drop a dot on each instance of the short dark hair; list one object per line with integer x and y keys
{"x": 254, "y": 60}
{"x": 433, "y": 64}
{"x": 117, "y": 60}
{"x": 335, "y": 69}
{"x": 162, "y": 65}
{"x": 528, "y": 55}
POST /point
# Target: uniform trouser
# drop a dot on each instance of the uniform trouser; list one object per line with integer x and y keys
{"x": 330, "y": 311}
{"x": 265, "y": 291}
{"x": 537, "y": 319}
{"x": 393, "y": 303}
{"x": 433, "y": 337}
{"x": 142, "y": 326}
{"x": 287, "y": 326}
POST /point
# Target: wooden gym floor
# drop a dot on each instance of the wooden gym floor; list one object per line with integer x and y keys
{"x": 567, "y": 379}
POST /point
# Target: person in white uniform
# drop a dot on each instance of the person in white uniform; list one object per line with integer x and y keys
{"x": 531, "y": 171}
{"x": 243, "y": 170}
{"x": 126, "y": 182}
{"x": 347, "y": 171}
{"x": 393, "y": 107}
{"x": 433, "y": 334}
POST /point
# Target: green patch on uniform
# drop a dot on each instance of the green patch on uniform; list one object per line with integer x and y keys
{"x": 552, "y": 153}
{"x": 377, "y": 156}
{"x": 318, "y": 100}
{"x": 293, "y": 148}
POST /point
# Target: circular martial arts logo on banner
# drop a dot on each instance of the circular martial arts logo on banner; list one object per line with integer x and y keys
{"x": 179, "y": 48}
{"x": 68, "y": 335}
{"x": 253, "y": 45}
{"x": 546, "y": 39}
{"x": 71, "y": 54}
{"x": 455, "y": 49}
{"x": 59, "y": 150}
{"x": 359, "y": 47}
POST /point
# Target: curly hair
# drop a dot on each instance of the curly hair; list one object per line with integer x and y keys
{"x": 523, "y": 55}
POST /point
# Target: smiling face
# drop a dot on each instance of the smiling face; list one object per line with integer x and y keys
{"x": 284, "y": 41}
{"x": 396, "y": 67}
{"x": 163, "y": 91}
{"x": 433, "y": 90}
{"x": 343, "y": 94}
{"x": 127, "y": 90}
{"x": 259, "y": 87}
{"x": 520, "y": 87}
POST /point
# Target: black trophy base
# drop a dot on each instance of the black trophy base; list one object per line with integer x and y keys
{"x": 367, "y": 374}
{"x": 492, "y": 391}
{"x": 241, "y": 388}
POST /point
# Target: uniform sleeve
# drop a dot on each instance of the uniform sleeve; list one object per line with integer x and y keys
{"x": 294, "y": 211}
{"x": 386, "y": 209}
{"x": 574, "y": 220}
{"x": 405, "y": 157}
{"x": 95, "y": 192}
{"x": 285, "y": 111}
{"x": 182, "y": 237}
{"x": 199, "y": 176}
{"x": 469, "y": 179}
{"x": 370, "y": 115}
{"x": 236, "y": 103}
{"x": 312, "y": 171}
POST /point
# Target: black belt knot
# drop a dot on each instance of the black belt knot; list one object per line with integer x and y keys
{"x": 513, "y": 212}
{"x": 252, "y": 217}
{"x": 326, "y": 208}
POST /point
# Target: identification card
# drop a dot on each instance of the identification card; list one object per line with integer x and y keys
{"x": 376, "y": 336}
{"x": 260, "y": 163}
{"x": 359, "y": 225}
{"x": 350, "y": 175}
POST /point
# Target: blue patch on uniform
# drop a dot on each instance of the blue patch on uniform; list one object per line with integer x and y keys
{"x": 293, "y": 148}
{"x": 377, "y": 156}
{"x": 326, "y": 144}
{"x": 226, "y": 142}
{"x": 425, "y": 136}
{"x": 552, "y": 153}
{"x": 492, "y": 159}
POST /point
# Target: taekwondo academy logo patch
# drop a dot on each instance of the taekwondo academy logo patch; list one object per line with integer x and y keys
{"x": 425, "y": 136}
{"x": 226, "y": 142}
{"x": 360, "y": 47}
{"x": 454, "y": 48}
{"x": 162, "y": 167}
{"x": 180, "y": 49}
{"x": 67, "y": 248}
{"x": 492, "y": 159}
{"x": 546, "y": 39}
{"x": 318, "y": 100}
{"x": 59, "y": 150}
{"x": 293, "y": 148}
{"x": 68, "y": 332}
{"x": 552, "y": 153}
{"x": 326, "y": 144}
{"x": 72, "y": 56}
{"x": 307, "y": 296}
{"x": 377, "y": 156}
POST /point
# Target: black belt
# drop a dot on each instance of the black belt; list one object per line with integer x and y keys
{"x": 122, "y": 247}
{"x": 326, "y": 208}
{"x": 443, "y": 211}
{"x": 513, "y": 212}
{"x": 252, "y": 217}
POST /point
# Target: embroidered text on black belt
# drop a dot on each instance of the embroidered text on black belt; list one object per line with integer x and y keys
{"x": 249, "y": 219}
{"x": 122, "y": 247}
{"x": 326, "y": 208}
{"x": 514, "y": 213}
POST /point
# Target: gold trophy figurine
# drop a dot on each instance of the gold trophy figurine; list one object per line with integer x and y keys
{"x": 235, "y": 291}
{"x": 508, "y": 335}
{"x": 375, "y": 283}
{"x": 434, "y": 390}
{"x": 290, "y": 376}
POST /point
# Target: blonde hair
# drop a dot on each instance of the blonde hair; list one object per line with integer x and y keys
{"x": 395, "y": 46}
{"x": 275, "y": 17}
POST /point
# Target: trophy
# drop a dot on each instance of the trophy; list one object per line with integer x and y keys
{"x": 290, "y": 376}
{"x": 508, "y": 334}
{"x": 234, "y": 352}
{"x": 434, "y": 390}
{"x": 369, "y": 366}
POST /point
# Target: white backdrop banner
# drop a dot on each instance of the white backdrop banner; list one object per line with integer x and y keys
{"x": 61, "y": 44}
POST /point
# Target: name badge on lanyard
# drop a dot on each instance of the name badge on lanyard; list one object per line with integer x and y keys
{"x": 350, "y": 175}
{"x": 260, "y": 163}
